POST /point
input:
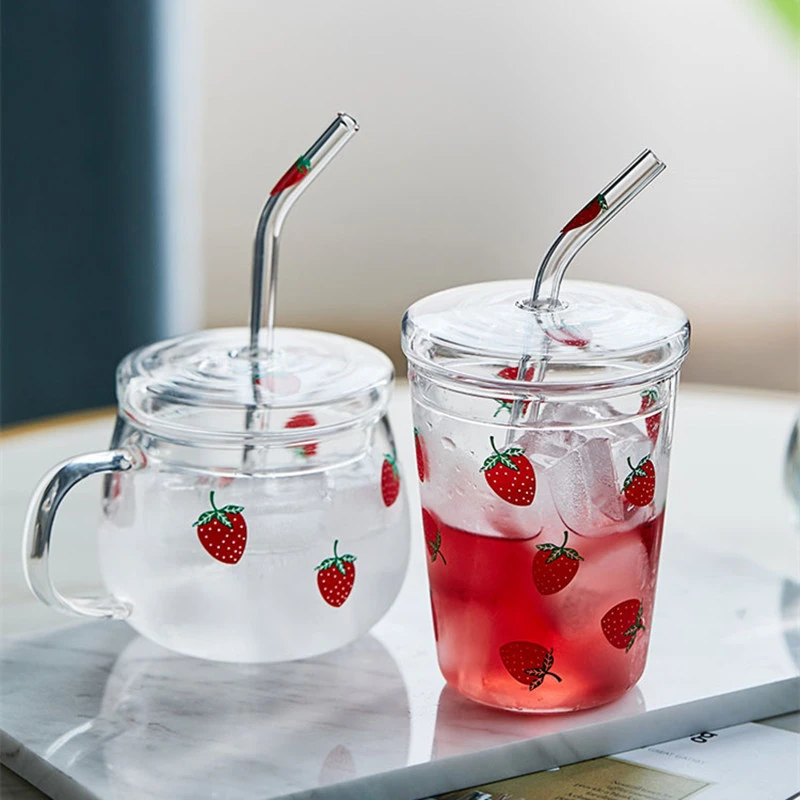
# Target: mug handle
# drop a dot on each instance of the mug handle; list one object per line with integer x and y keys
{"x": 38, "y": 529}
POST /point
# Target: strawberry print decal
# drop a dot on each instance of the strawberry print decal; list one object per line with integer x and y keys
{"x": 292, "y": 176}
{"x": 653, "y": 422}
{"x": 390, "y": 480}
{"x": 554, "y": 566}
{"x": 422, "y": 456}
{"x": 640, "y": 485}
{"x": 304, "y": 420}
{"x": 622, "y": 624}
{"x": 510, "y": 374}
{"x": 433, "y": 537}
{"x": 590, "y": 211}
{"x": 528, "y": 663}
{"x": 510, "y": 475}
{"x": 335, "y": 577}
{"x": 570, "y": 335}
{"x": 222, "y": 532}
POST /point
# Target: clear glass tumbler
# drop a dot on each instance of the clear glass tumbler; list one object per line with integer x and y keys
{"x": 543, "y": 443}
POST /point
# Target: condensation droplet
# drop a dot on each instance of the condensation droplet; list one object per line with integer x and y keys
{"x": 448, "y": 443}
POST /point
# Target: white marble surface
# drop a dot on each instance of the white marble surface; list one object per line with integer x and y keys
{"x": 101, "y": 713}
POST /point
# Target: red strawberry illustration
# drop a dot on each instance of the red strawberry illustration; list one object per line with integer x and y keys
{"x": 528, "y": 663}
{"x": 390, "y": 480}
{"x": 293, "y": 175}
{"x": 653, "y": 422}
{"x": 589, "y": 212}
{"x": 304, "y": 420}
{"x": 554, "y": 566}
{"x": 570, "y": 335}
{"x": 622, "y": 624}
{"x": 510, "y": 374}
{"x": 338, "y": 766}
{"x": 433, "y": 537}
{"x": 510, "y": 475}
{"x": 335, "y": 577}
{"x": 222, "y": 532}
{"x": 422, "y": 456}
{"x": 640, "y": 485}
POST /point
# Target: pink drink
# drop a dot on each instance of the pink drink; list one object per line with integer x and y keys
{"x": 486, "y": 602}
{"x": 543, "y": 549}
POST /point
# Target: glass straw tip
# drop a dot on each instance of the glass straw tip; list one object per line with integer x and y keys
{"x": 348, "y": 121}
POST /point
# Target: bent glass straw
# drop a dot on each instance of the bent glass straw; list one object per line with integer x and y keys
{"x": 282, "y": 197}
{"x": 597, "y": 213}
{"x": 265, "y": 252}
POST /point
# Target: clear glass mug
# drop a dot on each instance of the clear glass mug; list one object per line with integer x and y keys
{"x": 242, "y": 530}
{"x": 543, "y": 497}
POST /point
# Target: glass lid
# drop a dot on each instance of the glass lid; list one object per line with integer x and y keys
{"x": 598, "y": 334}
{"x": 208, "y": 385}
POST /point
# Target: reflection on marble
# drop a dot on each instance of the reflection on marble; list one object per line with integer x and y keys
{"x": 96, "y": 712}
{"x": 463, "y": 726}
{"x": 151, "y": 723}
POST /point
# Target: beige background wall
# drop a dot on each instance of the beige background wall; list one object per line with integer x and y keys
{"x": 485, "y": 125}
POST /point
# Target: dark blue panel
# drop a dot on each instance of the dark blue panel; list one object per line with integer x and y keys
{"x": 80, "y": 252}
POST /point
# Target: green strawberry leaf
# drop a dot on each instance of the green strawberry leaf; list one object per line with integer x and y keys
{"x": 546, "y": 547}
{"x": 504, "y": 405}
{"x": 205, "y": 518}
{"x": 573, "y": 554}
{"x": 536, "y": 682}
{"x": 548, "y": 661}
{"x": 223, "y": 518}
{"x": 348, "y": 558}
{"x": 506, "y": 461}
{"x": 603, "y": 202}
{"x": 232, "y": 509}
{"x": 555, "y": 555}
{"x": 632, "y": 630}
{"x": 340, "y": 566}
{"x": 326, "y": 564}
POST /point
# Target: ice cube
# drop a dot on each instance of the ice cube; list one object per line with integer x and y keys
{"x": 546, "y": 446}
{"x": 615, "y": 568}
{"x": 577, "y": 413}
{"x": 584, "y": 489}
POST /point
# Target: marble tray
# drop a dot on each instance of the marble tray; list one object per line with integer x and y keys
{"x": 94, "y": 711}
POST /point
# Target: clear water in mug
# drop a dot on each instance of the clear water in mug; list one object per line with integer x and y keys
{"x": 266, "y": 607}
